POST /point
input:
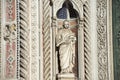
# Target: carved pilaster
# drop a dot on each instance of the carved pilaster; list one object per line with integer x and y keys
{"x": 102, "y": 40}
{"x": 46, "y": 41}
{"x": 54, "y": 54}
{"x": 34, "y": 41}
{"x": 81, "y": 50}
{"x": 87, "y": 41}
{"x": 24, "y": 40}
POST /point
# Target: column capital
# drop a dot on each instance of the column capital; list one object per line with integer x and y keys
{"x": 54, "y": 21}
{"x": 80, "y": 24}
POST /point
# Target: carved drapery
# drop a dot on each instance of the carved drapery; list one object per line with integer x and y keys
{"x": 102, "y": 40}
{"x": 24, "y": 40}
{"x": 87, "y": 41}
{"x": 46, "y": 41}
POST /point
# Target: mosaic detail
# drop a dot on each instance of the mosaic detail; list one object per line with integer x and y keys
{"x": 10, "y": 60}
{"x": 10, "y": 40}
{"x": 10, "y": 10}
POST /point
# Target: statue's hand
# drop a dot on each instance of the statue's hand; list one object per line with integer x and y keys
{"x": 72, "y": 39}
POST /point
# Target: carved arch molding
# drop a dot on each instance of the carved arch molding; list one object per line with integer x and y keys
{"x": 23, "y": 56}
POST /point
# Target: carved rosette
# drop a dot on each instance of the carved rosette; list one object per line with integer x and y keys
{"x": 102, "y": 39}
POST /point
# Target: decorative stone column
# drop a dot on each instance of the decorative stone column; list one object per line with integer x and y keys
{"x": 54, "y": 54}
{"x": 81, "y": 49}
{"x": 46, "y": 41}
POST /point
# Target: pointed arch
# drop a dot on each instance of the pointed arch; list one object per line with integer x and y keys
{"x": 77, "y": 5}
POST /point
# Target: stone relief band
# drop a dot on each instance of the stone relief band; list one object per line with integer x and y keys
{"x": 102, "y": 39}
{"x": 34, "y": 40}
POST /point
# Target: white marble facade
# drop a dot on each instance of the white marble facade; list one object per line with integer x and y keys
{"x": 29, "y": 49}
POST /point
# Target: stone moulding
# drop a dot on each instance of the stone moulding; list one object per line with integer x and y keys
{"x": 0, "y": 42}
{"x": 104, "y": 40}
{"x": 34, "y": 41}
{"x": 23, "y": 36}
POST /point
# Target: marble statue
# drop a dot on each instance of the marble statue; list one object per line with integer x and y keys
{"x": 65, "y": 41}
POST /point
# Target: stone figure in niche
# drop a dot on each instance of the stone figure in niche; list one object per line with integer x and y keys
{"x": 65, "y": 41}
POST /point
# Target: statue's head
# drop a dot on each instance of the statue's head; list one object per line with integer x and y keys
{"x": 66, "y": 24}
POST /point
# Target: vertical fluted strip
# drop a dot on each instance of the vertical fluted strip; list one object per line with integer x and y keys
{"x": 87, "y": 48}
{"x": 46, "y": 39}
{"x": 24, "y": 40}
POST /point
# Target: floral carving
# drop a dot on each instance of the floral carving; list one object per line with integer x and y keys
{"x": 10, "y": 32}
{"x": 102, "y": 39}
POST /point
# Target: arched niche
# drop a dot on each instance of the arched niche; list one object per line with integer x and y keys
{"x": 77, "y": 4}
{"x": 74, "y": 15}
{"x": 68, "y": 13}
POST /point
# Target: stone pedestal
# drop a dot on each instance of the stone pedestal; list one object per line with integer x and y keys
{"x": 66, "y": 76}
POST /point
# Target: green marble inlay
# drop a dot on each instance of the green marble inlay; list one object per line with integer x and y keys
{"x": 116, "y": 38}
